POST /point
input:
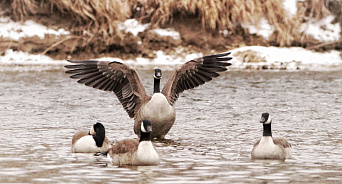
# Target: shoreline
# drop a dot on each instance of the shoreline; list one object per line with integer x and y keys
{"x": 244, "y": 58}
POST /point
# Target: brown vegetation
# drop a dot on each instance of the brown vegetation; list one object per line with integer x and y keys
{"x": 94, "y": 24}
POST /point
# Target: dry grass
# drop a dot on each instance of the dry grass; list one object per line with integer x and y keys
{"x": 317, "y": 9}
{"x": 88, "y": 17}
{"x": 230, "y": 14}
{"x": 99, "y": 18}
{"x": 22, "y": 8}
{"x": 221, "y": 14}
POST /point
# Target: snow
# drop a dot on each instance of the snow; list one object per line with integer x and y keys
{"x": 290, "y": 6}
{"x": 263, "y": 28}
{"x": 167, "y": 32}
{"x": 23, "y": 58}
{"x": 161, "y": 59}
{"x": 292, "y": 58}
{"x": 322, "y": 30}
{"x": 133, "y": 26}
{"x": 16, "y": 30}
{"x": 23, "y": 61}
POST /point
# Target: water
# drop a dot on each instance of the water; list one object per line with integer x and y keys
{"x": 216, "y": 127}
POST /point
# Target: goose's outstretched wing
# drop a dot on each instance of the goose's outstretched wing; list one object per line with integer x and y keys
{"x": 194, "y": 73}
{"x": 111, "y": 76}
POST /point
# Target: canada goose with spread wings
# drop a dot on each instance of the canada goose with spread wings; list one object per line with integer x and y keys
{"x": 125, "y": 83}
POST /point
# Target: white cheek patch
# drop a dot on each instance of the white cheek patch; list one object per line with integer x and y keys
{"x": 268, "y": 120}
{"x": 92, "y": 131}
{"x": 143, "y": 128}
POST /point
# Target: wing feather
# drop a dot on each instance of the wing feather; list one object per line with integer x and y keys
{"x": 194, "y": 73}
{"x": 124, "y": 146}
{"x": 111, "y": 76}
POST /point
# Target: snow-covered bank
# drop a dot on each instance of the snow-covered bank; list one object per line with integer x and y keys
{"x": 22, "y": 61}
{"x": 16, "y": 30}
{"x": 251, "y": 57}
{"x": 294, "y": 58}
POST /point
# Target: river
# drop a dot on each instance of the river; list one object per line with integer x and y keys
{"x": 216, "y": 127}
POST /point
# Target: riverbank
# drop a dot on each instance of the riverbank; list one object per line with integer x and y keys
{"x": 38, "y": 39}
{"x": 244, "y": 58}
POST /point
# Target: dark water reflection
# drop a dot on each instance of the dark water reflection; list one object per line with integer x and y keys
{"x": 216, "y": 127}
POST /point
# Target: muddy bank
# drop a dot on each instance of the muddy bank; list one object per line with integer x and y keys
{"x": 94, "y": 29}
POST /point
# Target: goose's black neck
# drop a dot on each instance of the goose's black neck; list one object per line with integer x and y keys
{"x": 156, "y": 88}
{"x": 99, "y": 137}
{"x": 145, "y": 136}
{"x": 267, "y": 130}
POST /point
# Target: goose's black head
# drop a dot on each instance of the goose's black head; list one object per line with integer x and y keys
{"x": 265, "y": 118}
{"x": 157, "y": 73}
{"x": 146, "y": 126}
{"x": 157, "y": 77}
{"x": 98, "y": 133}
{"x": 95, "y": 128}
{"x": 145, "y": 130}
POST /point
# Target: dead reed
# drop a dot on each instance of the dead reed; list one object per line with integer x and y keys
{"x": 99, "y": 18}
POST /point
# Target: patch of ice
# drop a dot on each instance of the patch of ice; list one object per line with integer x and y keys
{"x": 16, "y": 30}
{"x": 322, "y": 30}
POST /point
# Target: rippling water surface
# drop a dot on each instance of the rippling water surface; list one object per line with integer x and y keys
{"x": 216, "y": 127}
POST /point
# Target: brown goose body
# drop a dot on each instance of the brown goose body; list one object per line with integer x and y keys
{"x": 125, "y": 83}
{"x": 135, "y": 151}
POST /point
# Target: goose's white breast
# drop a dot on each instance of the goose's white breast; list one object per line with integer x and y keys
{"x": 158, "y": 108}
{"x": 266, "y": 149}
{"x": 85, "y": 144}
{"x": 146, "y": 153}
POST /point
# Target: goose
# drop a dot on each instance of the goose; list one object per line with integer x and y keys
{"x": 134, "y": 151}
{"x": 125, "y": 83}
{"x": 268, "y": 147}
{"x": 91, "y": 141}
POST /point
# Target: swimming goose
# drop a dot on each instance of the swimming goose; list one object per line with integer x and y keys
{"x": 268, "y": 147}
{"x": 125, "y": 83}
{"x": 134, "y": 151}
{"x": 92, "y": 141}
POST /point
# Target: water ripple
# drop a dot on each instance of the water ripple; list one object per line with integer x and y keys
{"x": 216, "y": 127}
